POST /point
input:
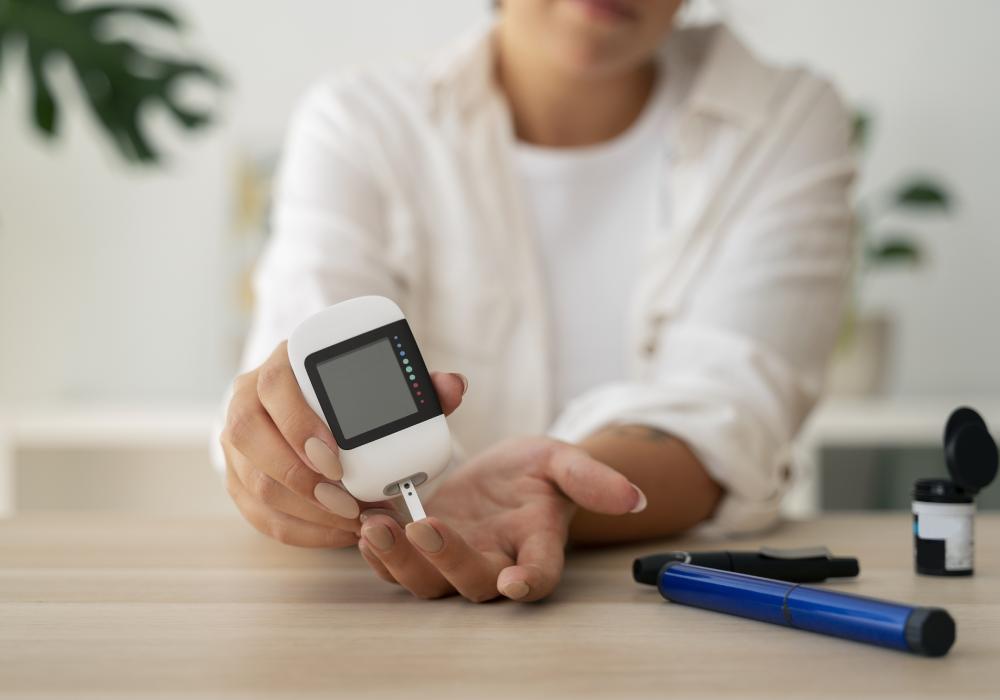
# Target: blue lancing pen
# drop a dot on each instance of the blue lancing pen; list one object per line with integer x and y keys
{"x": 927, "y": 631}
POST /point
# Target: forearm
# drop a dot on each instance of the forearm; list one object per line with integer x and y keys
{"x": 679, "y": 489}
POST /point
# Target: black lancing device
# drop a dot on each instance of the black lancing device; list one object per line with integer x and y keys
{"x": 800, "y": 565}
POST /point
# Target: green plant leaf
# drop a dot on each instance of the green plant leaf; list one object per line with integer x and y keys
{"x": 860, "y": 128}
{"x": 893, "y": 250}
{"x": 150, "y": 12}
{"x": 2, "y": 36}
{"x": 46, "y": 110}
{"x": 121, "y": 79}
{"x": 923, "y": 193}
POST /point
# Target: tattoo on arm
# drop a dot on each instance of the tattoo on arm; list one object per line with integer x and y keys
{"x": 641, "y": 432}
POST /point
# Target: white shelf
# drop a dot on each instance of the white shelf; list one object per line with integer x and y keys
{"x": 893, "y": 422}
{"x": 870, "y": 422}
{"x": 96, "y": 427}
{"x": 837, "y": 422}
{"x": 103, "y": 426}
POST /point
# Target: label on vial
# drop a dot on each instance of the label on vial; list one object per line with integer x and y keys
{"x": 950, "y": 525}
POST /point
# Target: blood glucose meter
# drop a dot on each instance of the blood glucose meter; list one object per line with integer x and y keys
{"x": 360, "y": 370}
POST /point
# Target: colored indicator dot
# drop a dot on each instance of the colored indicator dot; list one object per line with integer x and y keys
{"x": 395, "y": 337}
{"x": 416, "y": 384}
{"x": 406, "y": 362}
{"x": 421, "y": 400}
{"x": 398, "y": 345}
{"x": 402, "y": 353}
{"x": 413, "y": 376}
{"x": 418, "y": 393}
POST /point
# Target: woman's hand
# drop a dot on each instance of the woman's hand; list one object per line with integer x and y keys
{"x": 500, "y": 523}
{"x": 282, "y": 469}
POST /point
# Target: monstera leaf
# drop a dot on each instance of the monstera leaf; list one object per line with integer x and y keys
{"x": 119, "y": 78}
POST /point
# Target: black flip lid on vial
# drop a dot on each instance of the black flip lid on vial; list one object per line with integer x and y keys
{"x": 970, "y": 453}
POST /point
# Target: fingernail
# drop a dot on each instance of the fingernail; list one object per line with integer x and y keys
{"x": 465, "y": 381}
{"x": 515, "y": 590}
{"x": 641, "y": 503}
{"x": 365, "y": 514}
{"x": 336, "y": 500}
{"x": 323, "y": 460}
{"x": 424, "y": 536}
{"x": 379, "y": 536}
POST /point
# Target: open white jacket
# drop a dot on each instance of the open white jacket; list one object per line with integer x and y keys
{"x": 399, "y": 182}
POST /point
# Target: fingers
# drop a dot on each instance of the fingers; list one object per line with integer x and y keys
{"x": 593, "y": 485}
{"x": 540, "y": 562}
{"x": 304, "y": 431}
{"x": 383, "y": 537}
{"x": 281, "y": 526}
{"x": 391, "y": 512}
{"x": 251, "y": 432}
{"x": 429, "y": 559}
{"x": 373, "y": 561}
{"x": 268, "y": 491}
{"x": 450, "y": 387}
{"x": 469, "y": 571}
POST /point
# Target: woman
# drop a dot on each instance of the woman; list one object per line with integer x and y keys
{"x": 632, "y": 241}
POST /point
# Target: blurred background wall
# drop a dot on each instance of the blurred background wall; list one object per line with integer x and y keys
{"x": 116, "y": 282}
{"x": 125, "y": 286}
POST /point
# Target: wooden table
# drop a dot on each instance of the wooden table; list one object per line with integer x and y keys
{"x": 115, "y": 606}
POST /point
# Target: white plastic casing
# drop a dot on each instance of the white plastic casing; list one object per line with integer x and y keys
{"x": 371, "y": 469}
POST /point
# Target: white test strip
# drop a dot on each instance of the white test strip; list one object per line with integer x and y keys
{"x": 412, "y": 500}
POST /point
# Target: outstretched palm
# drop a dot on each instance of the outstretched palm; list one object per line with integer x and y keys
{"x": 499, "y": 523}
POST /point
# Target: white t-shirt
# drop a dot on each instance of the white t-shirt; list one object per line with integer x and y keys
{"x": 593, "y": 209}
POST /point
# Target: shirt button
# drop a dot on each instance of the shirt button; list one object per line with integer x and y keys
{"x": 649, "y": 348}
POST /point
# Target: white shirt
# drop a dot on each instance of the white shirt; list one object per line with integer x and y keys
{"x": 593, "y": 209}
{"x": 401, "y": 183}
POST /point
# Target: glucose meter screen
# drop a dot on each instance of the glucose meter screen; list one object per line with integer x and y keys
{"x": 366, "y": 388}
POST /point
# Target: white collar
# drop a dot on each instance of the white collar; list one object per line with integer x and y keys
{"x": 730, "y": 83}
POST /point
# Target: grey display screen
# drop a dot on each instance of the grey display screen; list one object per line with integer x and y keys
{"x": 366, "y": 388}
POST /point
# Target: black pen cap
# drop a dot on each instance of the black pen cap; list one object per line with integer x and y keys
{"x": 647, "y": 569}
{"x": 843, "y": 566}
{"x": 930, "y": 631}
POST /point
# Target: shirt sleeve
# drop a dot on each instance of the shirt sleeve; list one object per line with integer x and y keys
{"x": 739, "y": 367}
{"x": 330, "y": 237}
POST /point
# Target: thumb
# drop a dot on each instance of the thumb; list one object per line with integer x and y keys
{"x": 593, "y": 485}
{"x": 450, "y": 387}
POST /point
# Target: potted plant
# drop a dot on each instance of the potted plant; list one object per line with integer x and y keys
{"x": 861, "y": 359}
